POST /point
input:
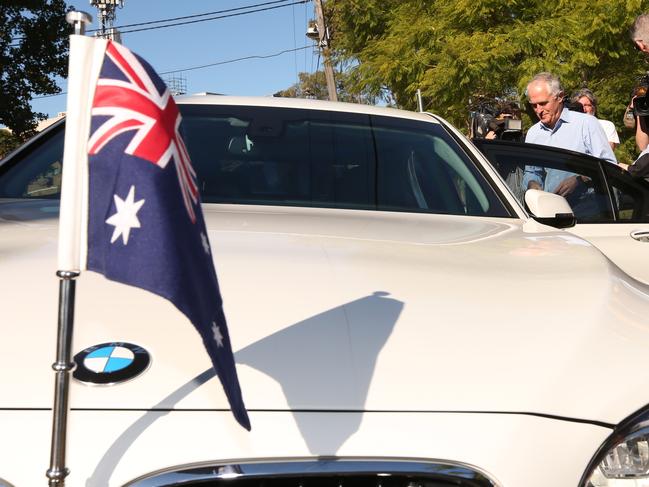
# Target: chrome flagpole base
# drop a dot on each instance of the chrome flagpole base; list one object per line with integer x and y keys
{"x": 62, "y": 367}
{"x": 57, "y": 477}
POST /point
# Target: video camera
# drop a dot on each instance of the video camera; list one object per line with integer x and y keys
{"x": 505, "y": 122}
{"x": 641, "y": 93}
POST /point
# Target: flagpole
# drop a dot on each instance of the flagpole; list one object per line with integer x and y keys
{"x": 62, "y": 367}
{"x": 64, "y": 364}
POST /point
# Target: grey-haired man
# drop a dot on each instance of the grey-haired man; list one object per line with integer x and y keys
{"x": 560, "y": 127}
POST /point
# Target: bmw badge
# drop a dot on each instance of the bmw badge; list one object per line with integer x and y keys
{"x": 110, "y": 363}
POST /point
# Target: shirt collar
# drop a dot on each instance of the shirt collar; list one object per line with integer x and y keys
{"x": 563, "y": 118}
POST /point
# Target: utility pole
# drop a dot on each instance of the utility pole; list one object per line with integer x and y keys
{"x": 324, "y": 47}
{"x": 106, "y": 17}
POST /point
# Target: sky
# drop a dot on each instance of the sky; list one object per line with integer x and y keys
{"x": 183, "y": 48}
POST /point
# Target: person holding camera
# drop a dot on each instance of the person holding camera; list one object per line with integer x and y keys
{"x": 563, "y": 128}
{"x": 640, "y": 37}
{"x": 587, "y": 99}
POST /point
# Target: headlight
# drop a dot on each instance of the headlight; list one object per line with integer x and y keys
{"x": 623, "y": 459}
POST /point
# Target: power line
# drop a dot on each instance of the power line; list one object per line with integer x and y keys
{"x": 245, "y": 58}
{"x": 215, "y": 18}
{"x": 198, "y": 15}
{"x": 236, "y": 9}
{"x": 256, "y": 56}
{"x": 50, "y": 96}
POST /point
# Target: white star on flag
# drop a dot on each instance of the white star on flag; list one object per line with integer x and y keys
{"x": 126, "y": 216}
{"x": 218, "y": 338}
{"x": 206, "y": 243}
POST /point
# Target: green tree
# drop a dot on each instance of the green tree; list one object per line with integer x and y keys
{"x": 457, "y": 52}
{"x": 314, "y": 85}
{"x": 8, "y": 142}
{"x": 310, "y": 85}
{"x": 33, "y": 51}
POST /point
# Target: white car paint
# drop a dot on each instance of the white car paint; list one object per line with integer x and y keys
{"x": 618, "y": 243}
{"x": 497, "y": 343}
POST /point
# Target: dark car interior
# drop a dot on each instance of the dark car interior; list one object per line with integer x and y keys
{"x": 609, "y": 193}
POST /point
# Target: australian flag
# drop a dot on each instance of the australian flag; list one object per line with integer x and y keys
{"x": 145, "y": 225}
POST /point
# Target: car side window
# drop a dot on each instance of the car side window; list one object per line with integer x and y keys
{"x": 630, "y": 196}
{"x": 420, "y": 168}
{"x": 578, "y": 178}
{"x": 299, "y": 157}
{"x": 343, "y": 160}
{"x": 37, "y": 172}
{"x": 259, "y": 155}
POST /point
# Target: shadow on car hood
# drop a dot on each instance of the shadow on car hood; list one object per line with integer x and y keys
{"x": 341, "y": 310}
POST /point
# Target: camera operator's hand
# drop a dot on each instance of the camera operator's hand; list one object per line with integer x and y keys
{"x": 568, "y": 185}
{"x": 641, "y": 133}
{"x": 641, "y": 46}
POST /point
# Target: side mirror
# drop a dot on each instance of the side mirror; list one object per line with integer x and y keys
{"x": 549, "y": 209}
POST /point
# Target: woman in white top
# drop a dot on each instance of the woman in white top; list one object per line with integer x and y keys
{"x": 588, "y": 100}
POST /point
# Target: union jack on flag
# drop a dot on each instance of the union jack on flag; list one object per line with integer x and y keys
{"x": 140, "y": 219}
{"x": 131, "y": 100}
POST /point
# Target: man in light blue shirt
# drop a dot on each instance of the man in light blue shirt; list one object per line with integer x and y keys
{"x": 560, "y": 127}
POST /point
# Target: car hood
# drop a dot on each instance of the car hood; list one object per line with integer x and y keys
{"x": 352, "y": 311}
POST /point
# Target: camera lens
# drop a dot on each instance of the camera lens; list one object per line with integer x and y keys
{"x": 641, "y": 106}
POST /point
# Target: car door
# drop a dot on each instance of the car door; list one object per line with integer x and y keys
{"x": 626, "y": 239}
{"x": 611, "y": 207}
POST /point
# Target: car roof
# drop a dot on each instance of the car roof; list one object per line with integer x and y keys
{"x": 277, "y": 102}
{"x": 302, "y": 103}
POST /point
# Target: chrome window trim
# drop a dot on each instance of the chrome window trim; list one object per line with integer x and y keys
{"x": 289, "y": 467}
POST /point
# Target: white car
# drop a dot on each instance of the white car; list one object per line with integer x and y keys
{"x": 397, "y": 317}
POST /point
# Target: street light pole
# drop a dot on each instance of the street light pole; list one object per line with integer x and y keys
{"x": 324, "y": 47}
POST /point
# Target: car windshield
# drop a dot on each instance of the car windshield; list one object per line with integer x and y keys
{"x": 299, "y": 157}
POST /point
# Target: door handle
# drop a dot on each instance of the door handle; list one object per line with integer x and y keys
{"x": 640, "y": 235}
